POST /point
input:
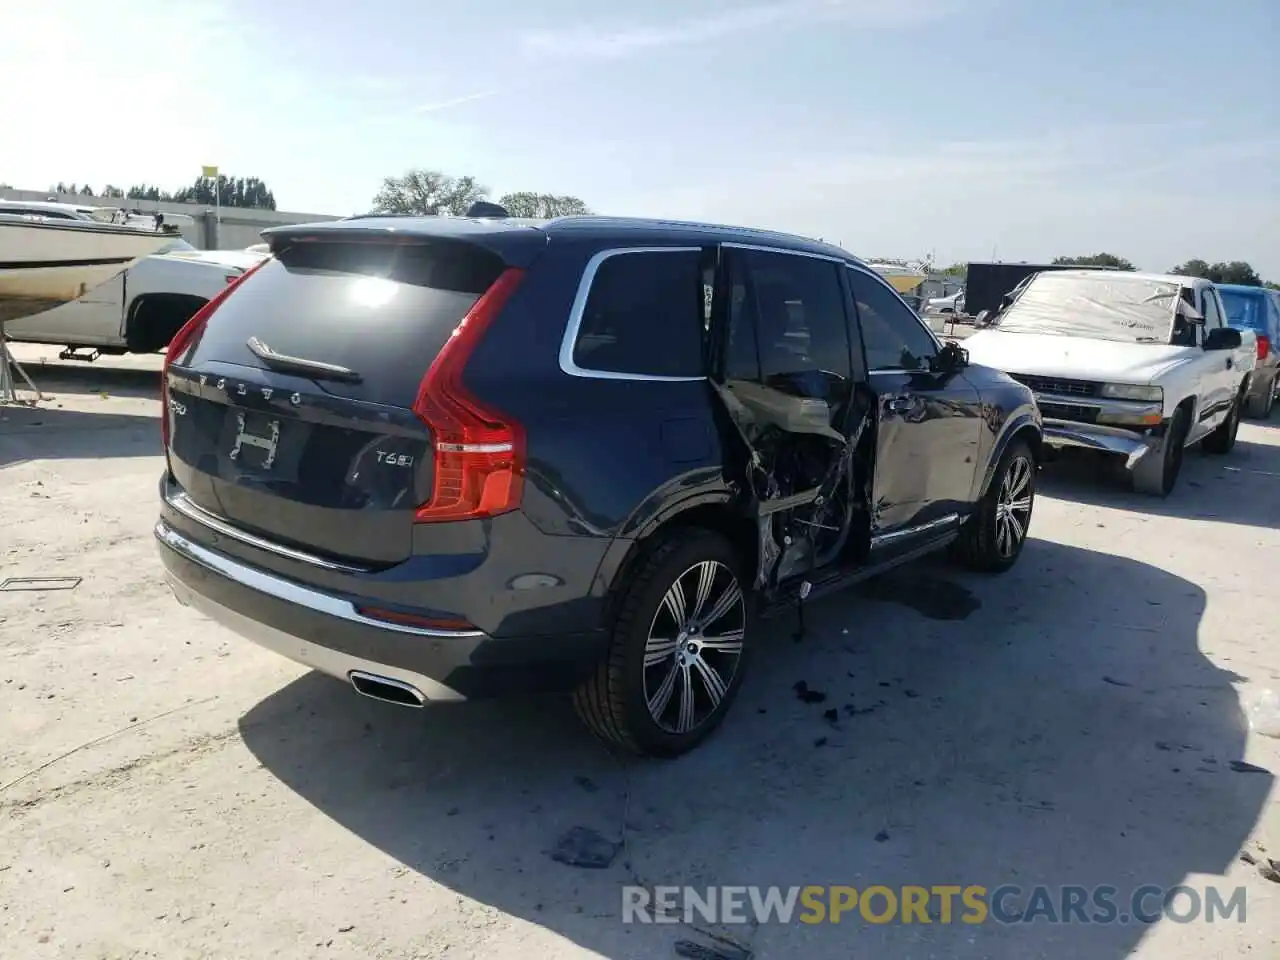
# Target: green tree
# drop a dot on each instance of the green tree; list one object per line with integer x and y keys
{"x": 428, "y": 193}
{"x": 1237, "y": 271}
{"x": 1273, "y": 286}
{"x": 112, "y": 192}
{"x": 145, "y": 191}
{"x": 1096, "y": 260}
{"x": 243, "y": 192}
{"x": 956, "y": 270}
{"x": 542, "y": 206}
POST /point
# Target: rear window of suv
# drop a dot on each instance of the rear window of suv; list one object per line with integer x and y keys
{"x": 644, "y": 315}
{"x": 382, "y": 310}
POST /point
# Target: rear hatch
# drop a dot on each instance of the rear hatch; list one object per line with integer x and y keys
{"x": 291, "y": 411}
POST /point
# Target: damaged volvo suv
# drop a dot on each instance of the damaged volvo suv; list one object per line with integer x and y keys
{"x": 448, "y": 458}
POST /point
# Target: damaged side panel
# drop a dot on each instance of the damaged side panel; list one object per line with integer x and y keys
{"x": 804, "y": 482}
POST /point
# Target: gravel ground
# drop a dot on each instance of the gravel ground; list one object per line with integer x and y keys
{"x": 167, "y": 790}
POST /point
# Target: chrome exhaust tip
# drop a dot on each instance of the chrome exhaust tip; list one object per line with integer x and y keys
{"x": 387, "y": 690}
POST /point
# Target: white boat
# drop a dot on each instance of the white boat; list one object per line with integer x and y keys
{"x": 46, "y": 261}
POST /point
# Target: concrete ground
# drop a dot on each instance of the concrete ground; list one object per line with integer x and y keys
{"x": 167, "y": 790}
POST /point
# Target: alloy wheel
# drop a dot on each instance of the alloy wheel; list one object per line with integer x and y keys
{"x": 1013, "y": 508}
{"x": 694, "y": 646}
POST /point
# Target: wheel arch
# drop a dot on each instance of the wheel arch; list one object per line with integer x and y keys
{"x": 153, "y": 319}
{"x": 1023, "y": 426}
{"x": 715, "y": 511}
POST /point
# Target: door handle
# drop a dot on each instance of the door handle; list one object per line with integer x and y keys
{"x": 899, "y": 404}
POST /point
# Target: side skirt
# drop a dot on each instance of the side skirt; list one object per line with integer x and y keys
{"x": 848, "y": 577}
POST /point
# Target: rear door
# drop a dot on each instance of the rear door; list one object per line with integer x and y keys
{"x": 928, "y": 426}
{"x": 322, "y": 451}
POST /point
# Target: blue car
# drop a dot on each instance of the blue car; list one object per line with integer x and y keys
{"x": 1257, "y": 309}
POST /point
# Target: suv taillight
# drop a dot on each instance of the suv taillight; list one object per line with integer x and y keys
{"x": 1264, "y": 346}
{"x": 186, "y": 336}
{"x": 479, "y": 451}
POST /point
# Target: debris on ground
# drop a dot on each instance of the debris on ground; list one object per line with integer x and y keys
{"x": 1116, "y": 683}
{"x": 806, "y": 695}
{"x": 1263, "y": 710}
{"x": 586, "y": 848}
{"x": 1240, "y": 766}
{"x": 1270, "y": 870}
{"x": 882, "y": 836}
{"x": 720, "y": 951}
{"x": 586, "y": 783}
{"x": 820, "y": 742}
{"x": 831, "y": 716}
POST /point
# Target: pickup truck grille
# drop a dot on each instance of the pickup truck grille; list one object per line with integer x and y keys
{"x": 1068, "y": 411}
{"x": 1067, "y": 388}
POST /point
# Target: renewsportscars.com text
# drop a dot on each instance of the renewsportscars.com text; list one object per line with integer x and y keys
{"x": 941, "y": 903}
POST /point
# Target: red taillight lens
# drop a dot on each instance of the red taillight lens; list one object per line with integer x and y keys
{"x": 187, "y": 335}
{"x": 1264, "y": 346}
{"x": 479, "y": 451}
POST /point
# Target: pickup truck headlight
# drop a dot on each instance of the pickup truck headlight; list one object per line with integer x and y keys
{"x": 1133, "y": 391}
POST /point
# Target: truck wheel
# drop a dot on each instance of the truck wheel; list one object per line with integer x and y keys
{"x": 677, "y": 649}
{"x": 992, "y": 539}
{"x": 1157, "y": 473}
{"x": 1224, "y": 437}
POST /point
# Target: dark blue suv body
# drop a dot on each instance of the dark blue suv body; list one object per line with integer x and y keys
{"x": 446, "y": 458}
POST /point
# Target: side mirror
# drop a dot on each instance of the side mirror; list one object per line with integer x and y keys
{"x": 952, "y": 358}
{"x": 1222, "y": 338}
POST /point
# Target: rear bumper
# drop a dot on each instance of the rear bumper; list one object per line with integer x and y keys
{"x": 326, "y": 632}
{"x": 1133, "y": 445}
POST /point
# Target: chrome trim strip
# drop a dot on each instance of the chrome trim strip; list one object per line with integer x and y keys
{"x": 570, "y": 339}
{"x": 288, "y": 591}
{"x": 340, "y": 666}
{"x": 189, "y": 509}
{"x": 883, "y": 539}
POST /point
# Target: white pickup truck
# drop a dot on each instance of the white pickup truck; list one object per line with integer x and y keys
{"x": 140, "y": 310}
{"x": 1136, "y": 365}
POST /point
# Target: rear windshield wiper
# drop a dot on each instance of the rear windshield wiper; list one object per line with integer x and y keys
{"x": 311, "y": 368}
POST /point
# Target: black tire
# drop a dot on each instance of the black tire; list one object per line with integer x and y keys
{"x": 1157, "y": 473}
{"x": 992, "y": 539}
{"x": 1259, "y": 407}
{"x": 1223, "y": 439}
{"x": 614, "y": 702}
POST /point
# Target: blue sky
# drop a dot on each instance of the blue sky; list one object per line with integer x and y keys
{"x": 894, "y": 127}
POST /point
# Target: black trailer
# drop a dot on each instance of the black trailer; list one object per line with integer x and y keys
{"x": 987, "y": 283}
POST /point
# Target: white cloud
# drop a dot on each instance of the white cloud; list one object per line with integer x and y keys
{"x": 1119, "y": 189}
{"x": 599, "y": 42}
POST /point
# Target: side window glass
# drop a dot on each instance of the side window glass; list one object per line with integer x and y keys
{"x": 645, "y": 315}
{"x": 742, "y": 353}
{"x": 799, "y": 317}
{"x": 892, "y": 335}
{"x": 1209, "y": 307}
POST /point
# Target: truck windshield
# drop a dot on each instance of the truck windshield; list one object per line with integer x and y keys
{"x": 1116, "y": 307}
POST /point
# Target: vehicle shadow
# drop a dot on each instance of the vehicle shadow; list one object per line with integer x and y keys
{"x": 46, "y": 432}
{"x": 1237, "y": 488}
{"x": 100, "y": 377}
{"x": 1058, "y": 725}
